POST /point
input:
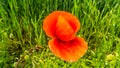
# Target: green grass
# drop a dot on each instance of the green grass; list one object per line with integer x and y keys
{"x": 21, "y": 33}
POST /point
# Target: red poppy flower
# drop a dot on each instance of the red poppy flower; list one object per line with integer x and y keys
{"x": 62, "y": 27}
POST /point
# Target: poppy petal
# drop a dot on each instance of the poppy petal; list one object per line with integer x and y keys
{"x": 69, "y": 51}
{"x": 73, "y": 20}
{"x": 64, "y": 30}
{"x": 49, "y": 23}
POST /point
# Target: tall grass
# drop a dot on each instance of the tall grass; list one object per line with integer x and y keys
{"x": 23, "y": 42}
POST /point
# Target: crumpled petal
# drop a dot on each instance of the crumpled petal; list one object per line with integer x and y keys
{"x": 69, "y": 51}
{"x": 50, "y": 21}
{"x": 73, "y": 20}
{"x": 63, "y": 30}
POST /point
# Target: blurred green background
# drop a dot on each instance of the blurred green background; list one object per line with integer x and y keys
{"x": 23, "y": 43}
